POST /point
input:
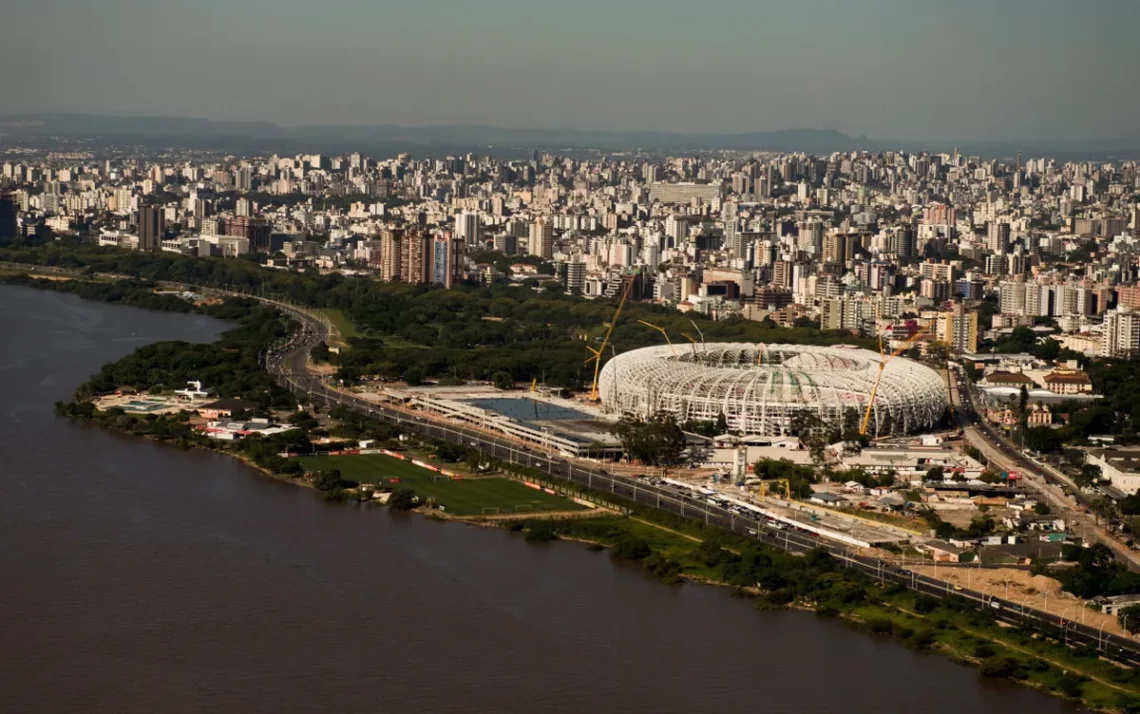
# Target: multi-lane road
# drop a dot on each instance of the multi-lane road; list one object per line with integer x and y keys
{"x": 289, "y": 363}
{"x": 1048, "y": 482}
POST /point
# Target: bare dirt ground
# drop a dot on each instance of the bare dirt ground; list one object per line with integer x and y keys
{"x": 1035, "y": 591}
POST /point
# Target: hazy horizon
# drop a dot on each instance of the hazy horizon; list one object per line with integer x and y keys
{"x": 888, "y": 69}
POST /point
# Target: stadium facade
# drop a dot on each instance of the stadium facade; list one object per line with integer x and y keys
{"x": 760, "y": 389}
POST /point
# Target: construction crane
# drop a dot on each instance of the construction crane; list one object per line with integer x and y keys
{"x": 689, "y": 337}
{"x": 663, "y": 333}
{"x": 883, "y": 359}
{"x": 597, "y": 353}
{"x": 694, "y": 324}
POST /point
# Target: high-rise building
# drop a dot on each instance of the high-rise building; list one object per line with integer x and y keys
{"x": 1120, "y": 334}
{"x": 959, "y": 329}
{"x": 839, "y": 247}
{"x": 243, "y": 178}
{"x": 151, "y": 227}
{"x": 997, "y": 237}
{"x": 8, "y": 225}
{"x": 811, "y": 236}
{"x": 415, "y": 258}
{"x": 467, "y": 228}
{"x": 903, "y": 244}
{"x": 506, "y": 243}
{"x": 575, "y": 275}
{"x": 254, "y": 229}
{"x": 542, "y": 239}
{"x": 1128, "y": 296}
{"x": 445, "y": 260}
{"x": 732, "y": 242}
{"x": 391, "y": 240}
{"x": 676, "y": 230}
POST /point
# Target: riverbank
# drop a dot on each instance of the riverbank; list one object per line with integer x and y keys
{"x": 679, "y": 552}
{"x": 672, "y": 549}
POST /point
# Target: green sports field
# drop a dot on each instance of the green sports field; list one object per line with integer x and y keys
{"x": 462, "y": 497}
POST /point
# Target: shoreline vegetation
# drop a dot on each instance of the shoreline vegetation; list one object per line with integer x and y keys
{"x": 668, "y": 548}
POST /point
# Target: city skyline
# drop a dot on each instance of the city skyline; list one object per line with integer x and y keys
{"x": 890, "y": 71}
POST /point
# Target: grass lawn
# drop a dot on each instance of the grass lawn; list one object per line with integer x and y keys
{"x": 462, "y": 497}
{"x": 341, "y": 322}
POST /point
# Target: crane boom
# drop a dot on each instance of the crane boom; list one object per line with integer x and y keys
{"x": 606, "y": 340}
{"x": 879, "y": 376}
{"x": 663, "y": 333}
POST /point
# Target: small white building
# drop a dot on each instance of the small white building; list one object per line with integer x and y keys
{"x": 194, "y": 390}
{"x": 1120, "y": 465}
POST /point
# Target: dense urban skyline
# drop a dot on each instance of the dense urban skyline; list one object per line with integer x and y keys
{"x": 903, "y": 71}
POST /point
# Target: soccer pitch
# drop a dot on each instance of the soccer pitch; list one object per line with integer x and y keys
{"x": 461, "y": 497}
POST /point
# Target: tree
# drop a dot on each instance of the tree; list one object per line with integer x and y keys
{"x": 1023, "y": 400}
{"x": 403, "y": 499}
{"x": 1104, "y": 507}
{"x": 721, "y": 423}
{"x": 449, "y": 452}
{"x": 1043, "y": 440}
{"x": 656, "y": 442}
{"x": 1129, "y": 618}
{"x": 631, "y": 548}
{"x": 326, "y": 479}
{"x": 1089, "y": 475}
{"x": 935, "y": 473}
{"x": 502, "y": 380}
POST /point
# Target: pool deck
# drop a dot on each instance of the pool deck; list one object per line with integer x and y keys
{"x": 147, "y": 404}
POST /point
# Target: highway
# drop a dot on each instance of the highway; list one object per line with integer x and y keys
{"x": 289, "y": 363}
{"x": 1048, "y": 482}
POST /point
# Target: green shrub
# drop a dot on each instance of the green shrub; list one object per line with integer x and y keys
{"x": 998, "y": 667}
{"x": 631, "y": 548}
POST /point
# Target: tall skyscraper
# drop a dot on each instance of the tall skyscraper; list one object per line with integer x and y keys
{"x": 1120, "y": 334}
{"x": 732, "y": 241}
{"x": 256, "y": 230}
{"x": 542, "y": 239}
{"x": 243, "y": 178}
{"x": 467, "y": 228}
{"x": 151, "y": 227}
{"x": 959, "y": 329}
{"x": 811, "y": 236}
{"x": 903, "y": 243}
{"x": 8, "y": 226}
{"x": 506, "y": 244}
{"x": 445, "y": 260}
{"x": 835, "y": 248}
{"x": 391, "y": 240}
{"x": 415, "y": 258}
{"x": 997, "y": 239}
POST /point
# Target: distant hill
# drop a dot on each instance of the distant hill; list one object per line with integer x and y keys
{"x": 40, "y": 125}
{"x": 46, "y": 125}
{"x": 269, "y": 136}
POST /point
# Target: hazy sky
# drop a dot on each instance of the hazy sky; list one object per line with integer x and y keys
{"x": 906, "y": 69}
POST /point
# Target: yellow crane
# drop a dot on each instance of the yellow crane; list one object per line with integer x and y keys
{"x": 883, "y": 359}
{"x": 663, "y": 334}
{"x": 689, "y": 337}
{"x": 597, "y": 353}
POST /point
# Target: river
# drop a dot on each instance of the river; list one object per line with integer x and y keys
{"x": 140, "y": 578}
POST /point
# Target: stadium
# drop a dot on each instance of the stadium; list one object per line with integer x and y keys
{"x": 761, "y": 388}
